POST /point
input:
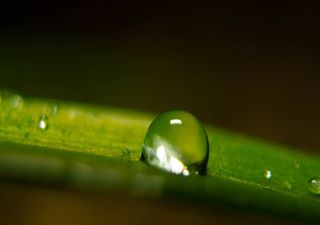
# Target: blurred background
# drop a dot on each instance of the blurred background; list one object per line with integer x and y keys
{"x": 252, "y": 69}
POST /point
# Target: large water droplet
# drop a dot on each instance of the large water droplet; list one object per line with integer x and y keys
{"x": 178, "y": 143}
{"x": 43, "y": 122}
{"x": 314, "y": 185}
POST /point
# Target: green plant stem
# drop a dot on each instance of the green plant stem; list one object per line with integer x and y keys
{"x": 99, "y": 148}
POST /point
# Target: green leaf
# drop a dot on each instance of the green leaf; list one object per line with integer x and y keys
{"x": 99, "y": 149}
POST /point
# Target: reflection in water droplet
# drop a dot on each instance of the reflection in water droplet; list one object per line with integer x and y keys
{"x": 43, "y": 122}
{"x": 314, "y": 185}
{"x": 267, "y": 174}
{"x": 176, "y": 142}
{"x": 54, "y": 109}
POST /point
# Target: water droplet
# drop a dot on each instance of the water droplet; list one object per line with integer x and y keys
{"x": 43, "y": 122}
{"x": 73, "y": 113}
{"x": 54, "y": 109}
{"x": 11, "y": 99}
{"x": 178, "y": 143}
{"x": 287, "y": 184}
{"x": 16, "y": 101}
{"x": 267, "y": 174}
{"x": 314, "y": 185}
{"x": 125, "y": 154}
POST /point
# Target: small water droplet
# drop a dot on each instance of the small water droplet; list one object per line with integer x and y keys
{"x": 54, "y": 109}
{"x": 314, "y": 185}
{"x": 16, "y": 101}
{"x": 125, "y": 154}
{"x": 43, "y": 122}
{"x": 73, "y": 113}
{"x": 287, "y": 184}
{"x": 12, "y": 99}
{"x": 267, "y": 174}
{"x": 178, "y": 143}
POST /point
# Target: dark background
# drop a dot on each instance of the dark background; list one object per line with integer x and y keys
{"x": 253, "y": 69}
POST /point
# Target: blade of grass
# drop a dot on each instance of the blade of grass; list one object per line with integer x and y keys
{"x": 99, "y": 148}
